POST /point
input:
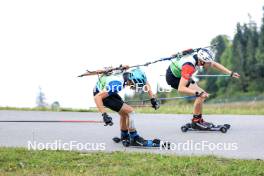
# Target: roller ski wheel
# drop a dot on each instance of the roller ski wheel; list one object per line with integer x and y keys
{"x": 116, "y": 139}
{"x": 125, "y": 142}
{"x": 184, "y": 128}
{"x": 223, "y": 129}
{"x": 165, "y": 145}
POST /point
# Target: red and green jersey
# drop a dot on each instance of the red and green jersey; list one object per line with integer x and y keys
{"x": 184, "y": 67}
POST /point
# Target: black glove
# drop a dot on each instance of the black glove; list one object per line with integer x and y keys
{"x": 155, "y": 103}
{"x": 107, "y": 119}
{"x": 198, "y": 94}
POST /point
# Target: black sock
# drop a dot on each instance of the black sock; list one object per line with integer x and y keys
{"x": 197, "y": 116}
{"x": 124, "y": 133}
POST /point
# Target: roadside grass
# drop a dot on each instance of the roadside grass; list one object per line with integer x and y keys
{"x": 19, "y": 161}
{"x": 242, "y": 108}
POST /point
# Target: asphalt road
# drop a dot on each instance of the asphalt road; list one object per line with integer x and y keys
{"x": 244, "y": 140}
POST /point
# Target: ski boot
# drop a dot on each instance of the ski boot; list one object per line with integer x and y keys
{"x": 198, "y": 124}
{"x": 138, "y": 141}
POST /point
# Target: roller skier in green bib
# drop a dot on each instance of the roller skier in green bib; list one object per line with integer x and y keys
{"x": 106, "y": 95}
{"x": 179, "y": 76}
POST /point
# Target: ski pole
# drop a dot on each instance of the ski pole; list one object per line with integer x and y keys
{"x": 162, "y": 99}
{"x": 211, "y": 75}
{"x": 207, "y": 75}
{"x": 52, "y": 121}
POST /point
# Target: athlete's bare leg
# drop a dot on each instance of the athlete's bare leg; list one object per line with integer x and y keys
{"x": 126, "y": 109}
{"x": 123, "y": 121}
{"x": 127, "y": 122}
{"x": 198, "y": 103}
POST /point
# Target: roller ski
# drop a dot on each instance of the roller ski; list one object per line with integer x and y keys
{"x": 139, "y": 142}
{"x": 201, "y": 125}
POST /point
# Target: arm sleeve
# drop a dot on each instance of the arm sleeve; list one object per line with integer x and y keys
{"x": 187, "y": 71}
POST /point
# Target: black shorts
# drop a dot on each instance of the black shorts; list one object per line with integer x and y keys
{"x": 174, "y": 81}
{"x": 113, "y": 102}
